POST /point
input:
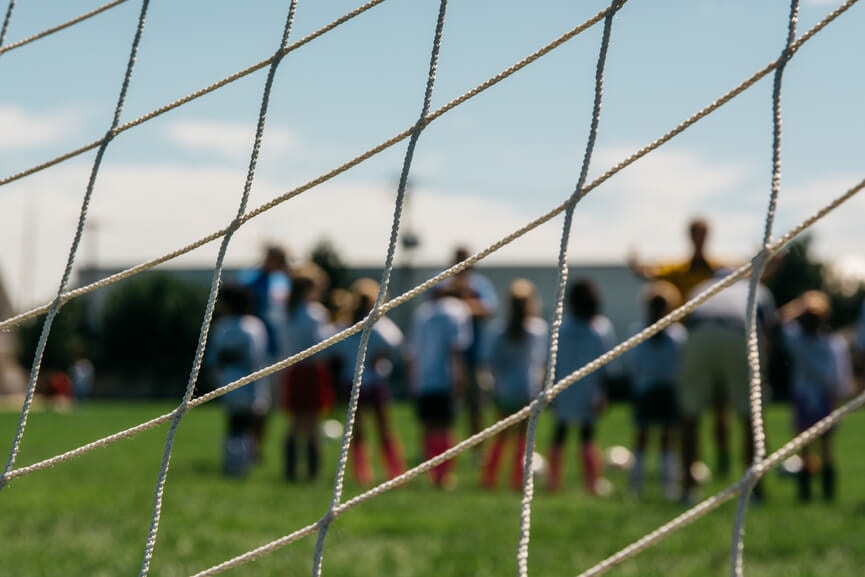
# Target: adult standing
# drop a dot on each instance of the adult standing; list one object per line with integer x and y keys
{"x": 685, "y": 275}
{"x": 715, "y": 359}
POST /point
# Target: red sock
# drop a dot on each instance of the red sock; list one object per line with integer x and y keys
{"x": 518, "y": 465}
{"x": 490, "y": 469}
{"x": 431, "y": 449}
{"x": 427, "y": 445}
{"x": 441, "y": 442}
{"x": 360, "y": 459}
{"x": 393, "y": 457}
{"x": 592, "y": 466}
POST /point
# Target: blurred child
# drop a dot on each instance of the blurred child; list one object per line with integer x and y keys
{"x": 584, "y": 335}
{"x": 307, "y": 390}
{"x": 441, "y": 333}
{"x": 382, "y": 350}
{"x": 82, "y": 373}
{"x": 479, "y": 293}
{"x": 237, "y": 348}
{"x": 821, "y": 373}
{"x": 516, "y": 355}
{"x": 654, "y": 366}
{"x": 270, "y": 284}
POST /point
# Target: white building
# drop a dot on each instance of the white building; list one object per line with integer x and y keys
{"x": 619, "y": 286}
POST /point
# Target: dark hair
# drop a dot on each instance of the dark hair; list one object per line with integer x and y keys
{"x": 660, "y": 297}
{"x": 656, "y": 308}
{"x": 698, "y": 225}
{"x": 237, "y": 299}
{"x": 364, "y": 292}
{"x": 522, "y": 295}
{"x": 304, "y": 281}
{"x": 584, "y": 299}
{"x": 461, "y": 253}
{"x": 276, "y": 255}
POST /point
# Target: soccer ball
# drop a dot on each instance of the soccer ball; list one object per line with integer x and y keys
{"x": 331, "y": 430}
{"x": 540, "y": 467}
{"x": 619, "y": 457}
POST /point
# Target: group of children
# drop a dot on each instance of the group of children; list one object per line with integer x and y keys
{"x": 820, "y": 374}
{"x": 517, "y": 356}
{"x": 450, "y": 349}
{"x": 307, "y": 389}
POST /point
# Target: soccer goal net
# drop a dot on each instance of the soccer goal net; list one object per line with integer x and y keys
{"x": 598, "y": 34}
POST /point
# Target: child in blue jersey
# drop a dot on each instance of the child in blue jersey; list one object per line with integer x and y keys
{"x": 237, "y": 348}
{"x": 441, "y": 333}
{"x": 270, "y": 284}
{"x": 584, "y": 335}
{"x": 821, "y": 373}
{"x": 654, "y": 367}
{"x": 516, "y": 356}
{"x": 307, "y": 390}
{"x": 382, "y": 351}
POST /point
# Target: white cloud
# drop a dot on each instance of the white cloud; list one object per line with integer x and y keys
{"x": 232, "y": 141}
{"x": 840, "y": 233}
{"x": 645, "y": 207}
{"x": 671, "y": 174}
{"x": 22, "y": 129}
{"x": 139, "y": 212}
{"x": 358, "y": 218}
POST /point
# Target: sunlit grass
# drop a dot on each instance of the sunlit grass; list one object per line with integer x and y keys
{"x": 90, "y": 516}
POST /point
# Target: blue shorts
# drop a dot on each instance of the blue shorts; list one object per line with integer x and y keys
{"x": 657, "y": 405}
{"x": 809, "y": 409}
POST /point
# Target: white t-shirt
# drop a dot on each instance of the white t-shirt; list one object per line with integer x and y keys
{"x": 731, "y": 303}
{"x": 238, "y": 347}
{"x": 308, "y": 325}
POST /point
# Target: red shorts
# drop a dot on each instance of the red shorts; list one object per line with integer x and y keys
{"x": 306, "y": 387}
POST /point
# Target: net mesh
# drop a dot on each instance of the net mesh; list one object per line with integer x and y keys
{"x": 606, "y": 18}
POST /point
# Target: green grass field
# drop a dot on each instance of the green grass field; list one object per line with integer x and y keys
{"x": 90, "y": 516}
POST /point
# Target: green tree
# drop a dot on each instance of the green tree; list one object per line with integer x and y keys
{"x": 70, "y": 332}
{"x": 799, "y": 271}
{"x": 796, "y": 272}
{"x": 150, "y": 330}
{"x": 325, "y": 255}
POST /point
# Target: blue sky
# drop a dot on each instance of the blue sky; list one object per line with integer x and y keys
{"x": 480, "y": 171}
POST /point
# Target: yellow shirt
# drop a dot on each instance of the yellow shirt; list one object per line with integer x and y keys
{"x": 684, "y": 275}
